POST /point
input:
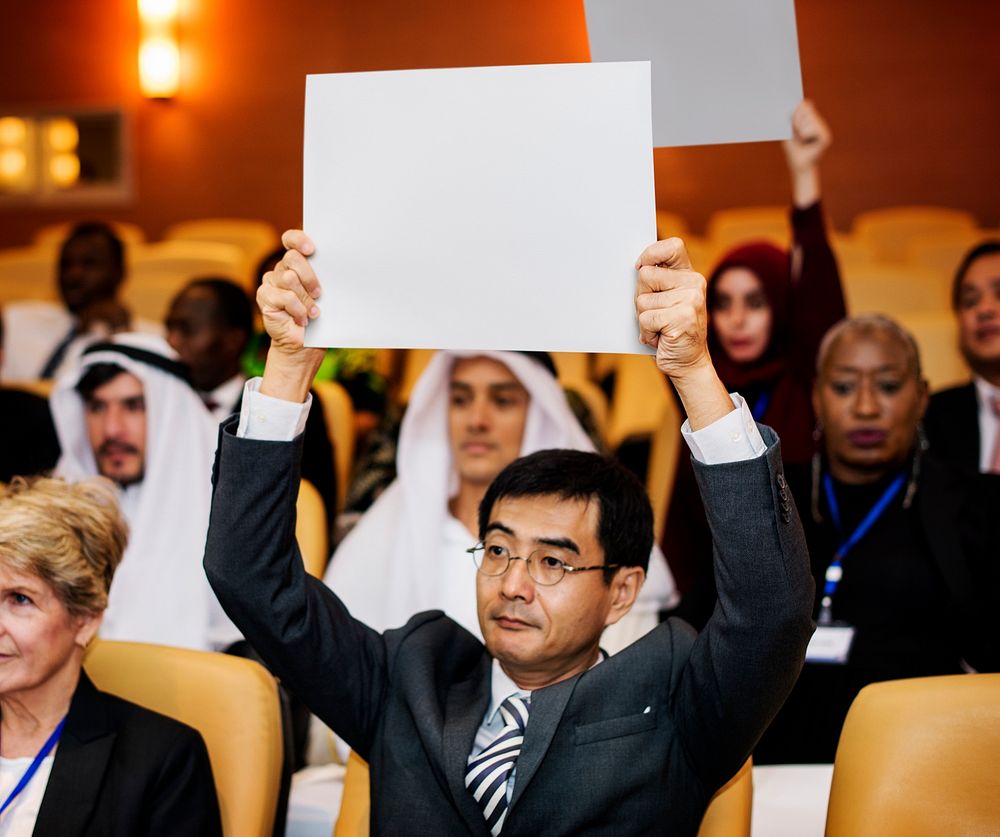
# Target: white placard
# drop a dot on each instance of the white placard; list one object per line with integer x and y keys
{"x": 479, "y": 208}
{"x": 723, "y": 70}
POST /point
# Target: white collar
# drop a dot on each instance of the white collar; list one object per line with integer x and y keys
{"x": 502, "y": 687}
{"x": 226, "y": 394}
{"x": 985, "y": 390}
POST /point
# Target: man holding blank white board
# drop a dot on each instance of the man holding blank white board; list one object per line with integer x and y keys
{"x": 630, "y": 744}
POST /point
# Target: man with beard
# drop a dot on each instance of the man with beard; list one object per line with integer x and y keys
{"x": 129, "y": 414}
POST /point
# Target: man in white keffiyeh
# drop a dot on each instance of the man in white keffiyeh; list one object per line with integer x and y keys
{"x": 470, "y": 415}
{"x": 127, "y": 413}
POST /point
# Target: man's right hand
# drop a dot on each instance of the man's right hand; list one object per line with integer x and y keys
{"x": 287, "y": 300}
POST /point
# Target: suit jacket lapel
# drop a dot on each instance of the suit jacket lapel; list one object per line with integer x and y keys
{"x": 547, "y": 707}
{"x": 464, "y": 710}
{"x": 80, "y": 763}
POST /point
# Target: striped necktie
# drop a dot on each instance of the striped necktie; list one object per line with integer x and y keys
{"x": 487, "y": 773}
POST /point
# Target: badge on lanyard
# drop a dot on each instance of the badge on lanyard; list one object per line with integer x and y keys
{"x": 831, "y": 643}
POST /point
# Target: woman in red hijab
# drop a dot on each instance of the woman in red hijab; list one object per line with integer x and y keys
{"x": 769, "y": 309}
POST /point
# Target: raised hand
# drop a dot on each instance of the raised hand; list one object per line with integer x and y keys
{"x": 287, "y": 300}
{"x": 673, "y": 317}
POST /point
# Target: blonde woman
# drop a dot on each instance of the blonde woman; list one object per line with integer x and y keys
{"x": 74, "y": 760}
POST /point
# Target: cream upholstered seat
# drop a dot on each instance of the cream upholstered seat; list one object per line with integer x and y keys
{"x": 728, "y": 227}
{"x": 231, "y": 701}
{"x": 255, "y": 239}
{"x": 51, "y": 236}
{"x": 159, "y": 271}
{"x": 919, "y": 758}
{"x": 312, "y": 531}
{"x": 338, "y": 411}
{"x": 728, "y": 814}
{"x": 889, "y": 232}
{"x": 27, "y": 273}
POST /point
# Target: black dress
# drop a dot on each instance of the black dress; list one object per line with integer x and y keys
{"x": 918, "y": 588}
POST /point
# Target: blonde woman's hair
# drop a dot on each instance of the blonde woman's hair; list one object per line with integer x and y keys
{"x": 71, "y": 536}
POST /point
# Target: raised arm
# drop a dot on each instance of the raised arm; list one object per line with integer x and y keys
{"x": 735, "y": 675}
{"x": 336, "y": 665}
{"x": 817, "y": 299}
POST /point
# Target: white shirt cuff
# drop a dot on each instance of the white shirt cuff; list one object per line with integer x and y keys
{"x": 732, "y": 438}
{"x": 268, "y": 419}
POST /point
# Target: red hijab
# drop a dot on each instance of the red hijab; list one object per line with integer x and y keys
{"x": 772, "y": 266}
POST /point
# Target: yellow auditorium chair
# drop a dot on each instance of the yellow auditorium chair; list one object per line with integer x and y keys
{"x": 338, "y": 410}
{"x": 51, "y": 236}
{"x": 942, "y": 251}
{"x": 571, "y": 364}
{"x": 894, "y": 290}
{"x": 889, "y": 232}
{"x": 664, "y": 454}
{"x": 158, "y": 271}
{"x": 311, "y": 529}
{"x": 27, "y": 273}
{"x": 414, "y": 364}
{"x": 36, "y": 386}
{"x": 231, "y": 701}
{"x": 937, "y": 337}
{"x": 852, "y": 253}
{"x": 591, "y": 395}
{"x": 638, "y": 399}
{"x": 919, "y": 758}
{"x": 255, "y": 239}
{"x": 729, "y": 227}
{"x": 727, "y": 815}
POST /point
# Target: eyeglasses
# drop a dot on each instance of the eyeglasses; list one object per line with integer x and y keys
{"x": 545, "y": 566}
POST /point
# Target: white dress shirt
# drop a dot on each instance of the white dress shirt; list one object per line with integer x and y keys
{"x": 989, "y": 422}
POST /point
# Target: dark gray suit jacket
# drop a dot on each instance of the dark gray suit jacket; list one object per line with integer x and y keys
{"x": 636, "y": 745}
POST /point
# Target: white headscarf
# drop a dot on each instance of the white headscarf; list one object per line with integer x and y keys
{"x": 389, "y": 566}
{"x": 160, "y": 593}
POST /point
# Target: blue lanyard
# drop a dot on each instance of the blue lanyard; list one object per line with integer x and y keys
{"x": 761, "y": 404}
{"x": 33, "y": 767}
{"x": 835, "y": 572}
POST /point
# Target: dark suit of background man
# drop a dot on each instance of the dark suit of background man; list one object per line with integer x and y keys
{"x": 633, "y": 744}
{"x": 963, "y": 423}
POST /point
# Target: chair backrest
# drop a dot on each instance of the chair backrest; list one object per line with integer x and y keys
{"x": 52, "y": 236}
{"x": 892, "y": 290}
{"x": 937, "y": 338}
{"x": 919, "y": 757}
{"x": 727, "y": 815}
{"x": 888, "y": 232}
{"x": 664, "y": 454}
{"x": 729, "y": 227}
{"x": 159, "y": 271}
{"x": 311, "y": 529}
{"x": 414, "y": 364}
{"x": 231, "y": 701}
{"x": 27, "y": 273}
{"x": 338, "y": 411}
{"x": 593, "y": 396}
{"x": 638, "y": 400}
{"x": 36, "y": 386}
{"x": 729, "y": 812}
{"x": 255, "y": 239}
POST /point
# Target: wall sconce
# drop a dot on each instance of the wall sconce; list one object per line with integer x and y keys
{"x": 159, "y": 54}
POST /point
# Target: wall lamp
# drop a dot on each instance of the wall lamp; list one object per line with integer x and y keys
{"x": 159, "y": 54}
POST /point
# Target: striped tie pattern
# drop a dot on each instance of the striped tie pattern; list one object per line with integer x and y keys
{"x": 487, "y": 773}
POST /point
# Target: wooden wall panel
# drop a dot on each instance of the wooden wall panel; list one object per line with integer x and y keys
{"x": 910, "y": 88}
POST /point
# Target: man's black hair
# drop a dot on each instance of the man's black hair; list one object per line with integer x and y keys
{"x": 984, "y": 248}
{"x": 625, "y": 519}
{"x": 96, "y": 377}
{"x": 233, "y": 307}
{"x": 98, "y": 229}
